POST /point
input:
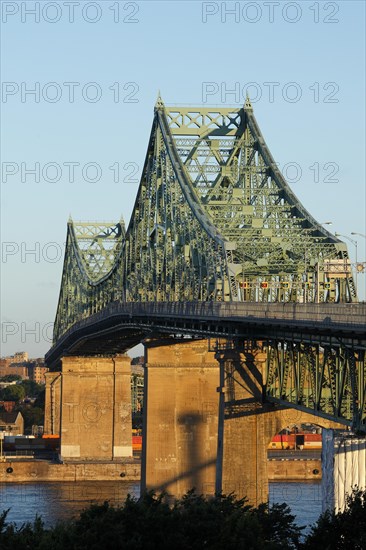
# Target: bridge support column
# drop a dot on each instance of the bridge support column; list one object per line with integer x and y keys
{"x": 94, "y": 397}
{"x": 250, "y": 423}
{"x": 247, "y": 425}
{"x": 344, "y": 467}
{"x": 206, "y": 424}
{"x": 180, "y": 418}
{"x": 52, "y": 414}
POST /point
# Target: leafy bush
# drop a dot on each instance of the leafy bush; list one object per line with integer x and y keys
{"x": 10, "y": 378}
{"x": 191, "y": 523}
{"x": 149, "y": 523}
{"x": 343, "y": 530}
{"x": 12, "y": 393}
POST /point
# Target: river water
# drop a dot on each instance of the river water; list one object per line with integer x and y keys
{"x": 304, "y": 499}
{"x": 60, "y": 501}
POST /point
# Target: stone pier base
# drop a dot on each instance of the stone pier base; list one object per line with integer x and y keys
{"x": 180, "y": 415}
{"x": 206, "y": 424}
{"x": 89, "y": 405}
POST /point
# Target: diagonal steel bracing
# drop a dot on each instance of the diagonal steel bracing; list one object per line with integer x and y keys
{"x": 281, "y": 252}
{"x": 92, "y": 271}
{"x": 327, "y": 379}
{"x": 214, "y": 220}
{"x": 173, "y": 252}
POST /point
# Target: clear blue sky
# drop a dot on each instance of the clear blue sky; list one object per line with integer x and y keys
{"x": 310, "y": 51}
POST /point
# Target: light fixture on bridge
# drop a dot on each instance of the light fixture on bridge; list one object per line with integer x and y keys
{"x": 354, "y": 242}
{"x": 360, "y": 267}
{"x": 306, "y": 285}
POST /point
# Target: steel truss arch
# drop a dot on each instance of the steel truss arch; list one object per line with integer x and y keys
{"x": 213, "y": 220}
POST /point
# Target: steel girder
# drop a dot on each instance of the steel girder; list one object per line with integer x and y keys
{"x": 173, "y": 251}
{"x": 92, "y": 273}
{"x": 281, "y": 252}
{"x": 327, "y": 380}
{"x": 214, "y": 220}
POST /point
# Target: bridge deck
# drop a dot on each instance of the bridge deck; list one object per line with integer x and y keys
{"x": 122, "y": 325}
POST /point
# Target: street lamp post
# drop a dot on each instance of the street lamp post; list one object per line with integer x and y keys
{"x": 317, "y": 268}
{"x": 354, "y": 242}
{"x": 359, "y": 268}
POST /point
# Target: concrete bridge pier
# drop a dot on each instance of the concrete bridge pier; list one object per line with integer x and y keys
{"x": 180, "y": 417}
{"x": 52, "y": 414}
{"x": 250, "y": 422}
{"x": 88, "y": 404}
{"x": 206, "y": 424}
{"x": 248, "y": 425}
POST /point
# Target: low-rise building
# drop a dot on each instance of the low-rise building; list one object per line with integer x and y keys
{"x": 12, "y": 422}
{"x": 37, "y": 371}
{"x": 8, "y": 405}
{"x": 27, "y": 369}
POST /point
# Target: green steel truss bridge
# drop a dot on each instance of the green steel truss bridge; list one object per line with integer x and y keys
{"x": 219, "y": 247}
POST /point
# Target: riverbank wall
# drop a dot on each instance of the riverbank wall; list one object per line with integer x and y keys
{"x": 40, "y": 470}
{"x": 294, "y": 470}
{"x": 14, "y": 471}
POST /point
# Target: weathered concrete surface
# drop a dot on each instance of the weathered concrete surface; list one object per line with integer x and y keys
{"x": 52, "y": 415}
{"x": 278, "y": 470}
{"x": 245, "y": 454}
{"x": 182, "y": 419}
{"x": 250, "y": 425}
{"x": 89, "y": 405}
{"x": 294, "y": 470}
{"x": 128, "y": 470}
{"x": 181, "y": 415}
{"x": 96, "y": 408}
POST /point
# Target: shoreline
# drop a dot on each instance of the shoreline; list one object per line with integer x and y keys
{"x": 18, "y": 471}
{"x": 294, "y": 470}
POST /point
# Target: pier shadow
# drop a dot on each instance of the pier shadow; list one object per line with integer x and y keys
{"x": 196, "y": 456}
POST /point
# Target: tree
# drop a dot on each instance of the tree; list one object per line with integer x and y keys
{"x": 10, "y": 378}
{"x": 343, "y": 530}
{"x": 149, "y": 523}
{"x": 31, "y": 388}
{"x": 191, "y": 523}
{"x": 14, "y": 392}
{"x": 41, "y": 399}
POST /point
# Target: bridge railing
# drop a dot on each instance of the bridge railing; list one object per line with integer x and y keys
{"x": 342, "y": 314}
{"x": 337, "y": 315}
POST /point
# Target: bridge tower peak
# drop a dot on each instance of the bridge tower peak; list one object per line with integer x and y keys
{"x": 248, "y": 104}
{"x": 159, "y": 102}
